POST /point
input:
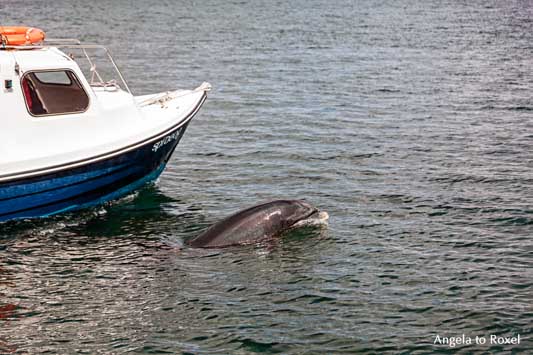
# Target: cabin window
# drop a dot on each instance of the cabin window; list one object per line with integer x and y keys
{"x": 54, "y": 92}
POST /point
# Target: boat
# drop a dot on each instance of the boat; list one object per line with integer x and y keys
{"x": 70, "y": 141}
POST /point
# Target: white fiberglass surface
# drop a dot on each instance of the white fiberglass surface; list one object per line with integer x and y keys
{"x": 112, "y": 122}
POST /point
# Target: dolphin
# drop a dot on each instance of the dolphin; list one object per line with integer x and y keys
{"x": 259, "y": 223}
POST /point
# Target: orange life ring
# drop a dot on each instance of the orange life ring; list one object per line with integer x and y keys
{"x": 20, "y": 36}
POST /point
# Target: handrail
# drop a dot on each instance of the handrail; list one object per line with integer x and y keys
{"x": 77, "y": 45}
{"x": 62, "y": 40}
{"x": 77, "y": 42}
{"x": 65, "y": 45}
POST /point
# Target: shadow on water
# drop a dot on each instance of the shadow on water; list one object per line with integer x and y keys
{"x": 143, "y": 215}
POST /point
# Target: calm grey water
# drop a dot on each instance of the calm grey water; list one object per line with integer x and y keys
{"x": 410, "y": 122}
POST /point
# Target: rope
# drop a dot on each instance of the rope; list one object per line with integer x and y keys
{"x": 28, "y": 31}
{"x": 3, "y": 39}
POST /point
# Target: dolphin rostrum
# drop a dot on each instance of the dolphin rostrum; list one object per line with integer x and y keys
{"x": 258, "y": 223}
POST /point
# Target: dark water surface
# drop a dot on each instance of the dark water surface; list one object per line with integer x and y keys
{"x": 410, "y": 122}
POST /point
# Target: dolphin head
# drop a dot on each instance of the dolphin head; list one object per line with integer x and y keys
{"x": 298, "y": 210}
{"x": 306, "y": 215}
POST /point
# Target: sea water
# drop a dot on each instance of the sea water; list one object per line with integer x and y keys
{"x": 409, "y": 122}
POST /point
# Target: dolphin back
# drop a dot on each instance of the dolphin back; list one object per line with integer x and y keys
{"x": 253, "y": 224}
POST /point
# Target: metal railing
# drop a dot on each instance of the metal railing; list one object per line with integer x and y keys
{"x": 72, "y": 43}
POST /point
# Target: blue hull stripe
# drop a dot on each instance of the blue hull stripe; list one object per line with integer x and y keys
{"x": 78, "y": 202}
{"x": 30, "y": 189}
{"x": 28, "y": 203}
{"x": 87, "y": 185}
{"x": 120, "y": 192}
